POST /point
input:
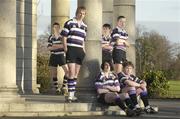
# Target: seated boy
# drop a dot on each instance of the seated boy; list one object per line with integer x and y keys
{"x": 134, "y": 86}
{"x": 107, "y": 86}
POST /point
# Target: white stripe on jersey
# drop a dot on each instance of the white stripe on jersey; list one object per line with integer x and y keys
{"x": 76, "y": 37}
{"x": 74, "y": 45}
{"x": 105, "y": 42}
{"x": 116, "y": 35}
{"x": 78, "y": 29}
{"x": 56, "y": 41}
{"x": 74, "y": 21}
{"x": 57, "y": 53}
{"x": 72, "y": 88}
{"x": 66, "y": 30}
{"x": 123, "y": 37}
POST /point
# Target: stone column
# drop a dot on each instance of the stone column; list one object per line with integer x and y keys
{"x": 30, "y": 46}
{"x": 91, "y": 64}
{"x": 20, "y": 45}
{"x": 60, "y": 11}
{"x": 8, "y": 88}
{"x": 127, "y": 9}
{"x": 107, "y": 12}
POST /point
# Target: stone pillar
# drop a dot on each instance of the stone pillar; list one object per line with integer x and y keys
{"x": 20, "y": 45}
{"x": 30, "y": 46}
{"x": 127, "y": 9}
{"x": 107, "y": 12}
{"x": 91, "y": 64}
{"x": 60, "y": 11}
{"x": 8, "y": 88}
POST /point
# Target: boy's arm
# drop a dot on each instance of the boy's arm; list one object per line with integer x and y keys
{"x": 65, "y": 43}
{"x": 132, "y": 83}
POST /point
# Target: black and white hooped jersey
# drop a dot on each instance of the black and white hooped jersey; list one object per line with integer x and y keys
{"x": 123, "y": 77}
{"x": 102, "y": 80}
{"x": 55, "y": 40}
{"x": 106, "y": 41}
{"x": 119, "y": 33}
{"x": 75, "y": 34}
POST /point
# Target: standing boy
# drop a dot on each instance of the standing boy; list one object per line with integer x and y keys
{"x": 119, "y": 39}
{"x": 57, "y": 57}
{"x": 74, "y": 34}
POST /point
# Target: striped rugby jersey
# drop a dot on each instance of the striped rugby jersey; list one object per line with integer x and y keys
{"x": 123, "y": 77}
{"x": 102, "y": 80}
{"x": 53, "y": 40}
{"x": 106, "y": 41}
{"x": 119, "y": 33}
{"x": 75, "y": 34}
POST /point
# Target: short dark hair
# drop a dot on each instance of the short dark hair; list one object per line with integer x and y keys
{"x": 120, "y": 17}
{"x": 127, "y": 63}
{"x": 107, "y": 26}
{"x": 103, "y": 65}
{"x": 79, "y": 9}
{"x": 56, "y": 23}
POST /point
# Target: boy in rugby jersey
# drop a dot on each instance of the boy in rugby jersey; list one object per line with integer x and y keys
{"x": 57, "y": 58}
{"x": 120, "y": 43}
{"x": 134, "y": 86}
{"x": 74, "y": 34}
{"x": 106, "y": 44}
{"x": 108, "y": 88}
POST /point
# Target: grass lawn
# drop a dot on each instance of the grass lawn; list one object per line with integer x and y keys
{"x": 174, "y": 90}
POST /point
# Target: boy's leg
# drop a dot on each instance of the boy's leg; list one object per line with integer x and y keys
{"x": 54, "y": 78}
{"x": 64, "y": 88}
{"x": 129, "y": 103}
{"x": 144, "y": 98}
{"x": 71, "y": 84}
{"x": 116, "y": 99}
{"x": 132, "y": 94}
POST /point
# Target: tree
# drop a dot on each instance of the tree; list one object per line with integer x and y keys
{"x": 153, "y": 51}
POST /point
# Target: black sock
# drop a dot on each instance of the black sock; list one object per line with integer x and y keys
{"x": 65, "y": 81}
{"x": 133, "y": 98}
{"x": 55, "y": 83}
{"x": 144, "y": 98}
{"x": 120, "y": 103}
{"x": 129, "y": 103}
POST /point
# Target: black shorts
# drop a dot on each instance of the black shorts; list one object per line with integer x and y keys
{"x": 75, "y": 55}
{"x": 106, "y": 56}
{"x": 119, "y": 56}
{"x": 57, "y": 60}
{"x": 101, "y": 99}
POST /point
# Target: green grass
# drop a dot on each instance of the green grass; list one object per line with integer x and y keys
{"x": 174, "y": 90}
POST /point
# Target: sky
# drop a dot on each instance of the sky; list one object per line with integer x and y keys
{"x": 158, "y": 10}
{"x": 162, "y": 16}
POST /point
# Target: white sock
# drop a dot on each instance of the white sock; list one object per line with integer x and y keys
{"x": 71, "y": 94}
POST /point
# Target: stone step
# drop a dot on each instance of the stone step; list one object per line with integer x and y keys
{"x": 50, "y": 114}
{"x": 56, "y": 109}
{"x": 52, "y": 105}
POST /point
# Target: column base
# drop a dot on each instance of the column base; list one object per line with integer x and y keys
{"x": 10, "y": 95}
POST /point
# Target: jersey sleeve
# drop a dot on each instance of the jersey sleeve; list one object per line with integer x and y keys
{"x": 49, "y": 41}
{"x": 136, "y": 79}
{"x": 122, "y": 78}
{"x": 66, "y": 29}
{"x": 98, "y": 82}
